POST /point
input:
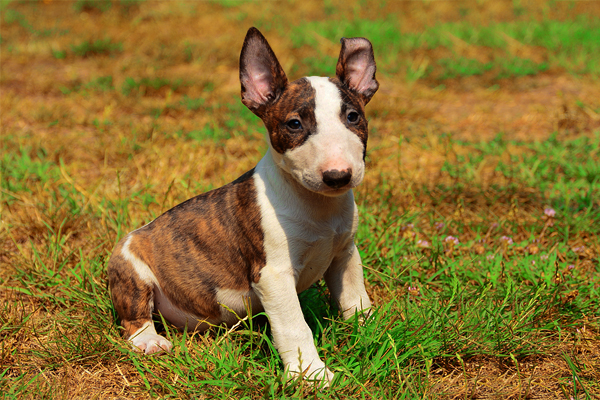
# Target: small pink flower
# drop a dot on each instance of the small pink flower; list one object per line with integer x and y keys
{"x": 439, "y": 226}
{"x": 451, "y": 240}
{"x": 489, "y": 257}
{"x": 506, "y": 239}
{"x": 544, "y": 256}
{"x": 422, "y": 243}
{"x": 571, "y": 267}
{"x": 579, "y": 249}
{"x": 549, "y": 212}
{"x": 414, "y": 290}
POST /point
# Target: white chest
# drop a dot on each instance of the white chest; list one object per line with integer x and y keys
{"x": 311, "y": 258}
{"x": 302, "y": 236}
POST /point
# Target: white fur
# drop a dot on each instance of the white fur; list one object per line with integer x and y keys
{"x": 346, "y": 283}
{"x": 307, "y": 234}
{"x": 304, "y": 233}
{"x": 140, "y": 267}
{"x": 147, "y": 340}
{"x": 178, "y": 317}
{"x": 236, "y": 303}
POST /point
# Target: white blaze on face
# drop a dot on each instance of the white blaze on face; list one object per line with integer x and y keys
{"x": 332, "y": 147}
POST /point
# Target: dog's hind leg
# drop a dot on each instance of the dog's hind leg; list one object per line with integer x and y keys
{"x": 132, "y": 288}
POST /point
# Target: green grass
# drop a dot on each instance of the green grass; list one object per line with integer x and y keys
{"x": 462, "y": 67}
{"x": 191, "y": 103}
{"x": 451, "y": 305}
{"x": 100, "y": 84}
{"x": 234, "y": 121}
{"x": 97, "y": 47}
{"x": 573, "y": 45}
{"x": 90, "y": 49}
{"x": 21, "y": 172}
{"x": 11, "y": 16}
{"x": 97, "y": 146}
{"x": 144, "y": 86}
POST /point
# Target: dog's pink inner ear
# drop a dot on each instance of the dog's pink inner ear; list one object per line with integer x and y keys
{"x": 261, "y": 75}
{"x": 356, "y": 66}
{"x": 257, "y": 83}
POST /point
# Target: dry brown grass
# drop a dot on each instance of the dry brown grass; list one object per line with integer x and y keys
{"x": 109, "y": 145}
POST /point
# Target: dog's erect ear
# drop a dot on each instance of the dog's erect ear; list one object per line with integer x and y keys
{"x": 356, "y": 67}
{"x": 261, "y": 75}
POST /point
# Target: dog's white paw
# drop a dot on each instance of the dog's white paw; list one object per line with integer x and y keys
{"x": 151, "y": 343}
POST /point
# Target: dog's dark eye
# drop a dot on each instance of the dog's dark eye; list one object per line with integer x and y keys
{"x": 294, "y": 124}
{"x": 353, "y": 117}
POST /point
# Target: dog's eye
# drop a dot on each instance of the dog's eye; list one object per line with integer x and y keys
{"x": 294, "y": 124}
{"x": 353, "y": 117}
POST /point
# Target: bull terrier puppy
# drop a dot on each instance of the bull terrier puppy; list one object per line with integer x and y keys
{"x": 257, "y": 242}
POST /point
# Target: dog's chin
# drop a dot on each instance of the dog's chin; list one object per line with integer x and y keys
{"x": 335, "y": 192}
{"x": 327, "y": 191}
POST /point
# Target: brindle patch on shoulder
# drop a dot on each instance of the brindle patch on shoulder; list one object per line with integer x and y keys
{"x": 297, "y": 102}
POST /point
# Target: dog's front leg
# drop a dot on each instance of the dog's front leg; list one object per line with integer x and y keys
{"x": 346, "y": 283}
{"x": 293, "y": 338}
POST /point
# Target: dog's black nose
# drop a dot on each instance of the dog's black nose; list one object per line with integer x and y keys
{"x": 336, "y": 179}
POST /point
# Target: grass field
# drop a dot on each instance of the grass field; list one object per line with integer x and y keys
{"x": 480, "y": 210}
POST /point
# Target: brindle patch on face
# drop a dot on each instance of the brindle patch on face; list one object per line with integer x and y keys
{"x": 352, "y": 101}
{"x": 296, "y": 102}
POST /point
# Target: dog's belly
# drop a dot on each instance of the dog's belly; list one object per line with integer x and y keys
{"x": 175, "y": 315}
{"x": 234, "y": 305}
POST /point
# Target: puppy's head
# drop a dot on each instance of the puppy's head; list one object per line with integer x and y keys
{"x": 317, "y": 126}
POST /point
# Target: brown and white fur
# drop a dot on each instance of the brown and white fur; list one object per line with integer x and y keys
{"x": 273, "y": 232}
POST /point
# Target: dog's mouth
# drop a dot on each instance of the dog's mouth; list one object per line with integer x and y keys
{"x": 322, "y": 188}
{"x": 332, "y": 184}
{"x": 330, "y": 192}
